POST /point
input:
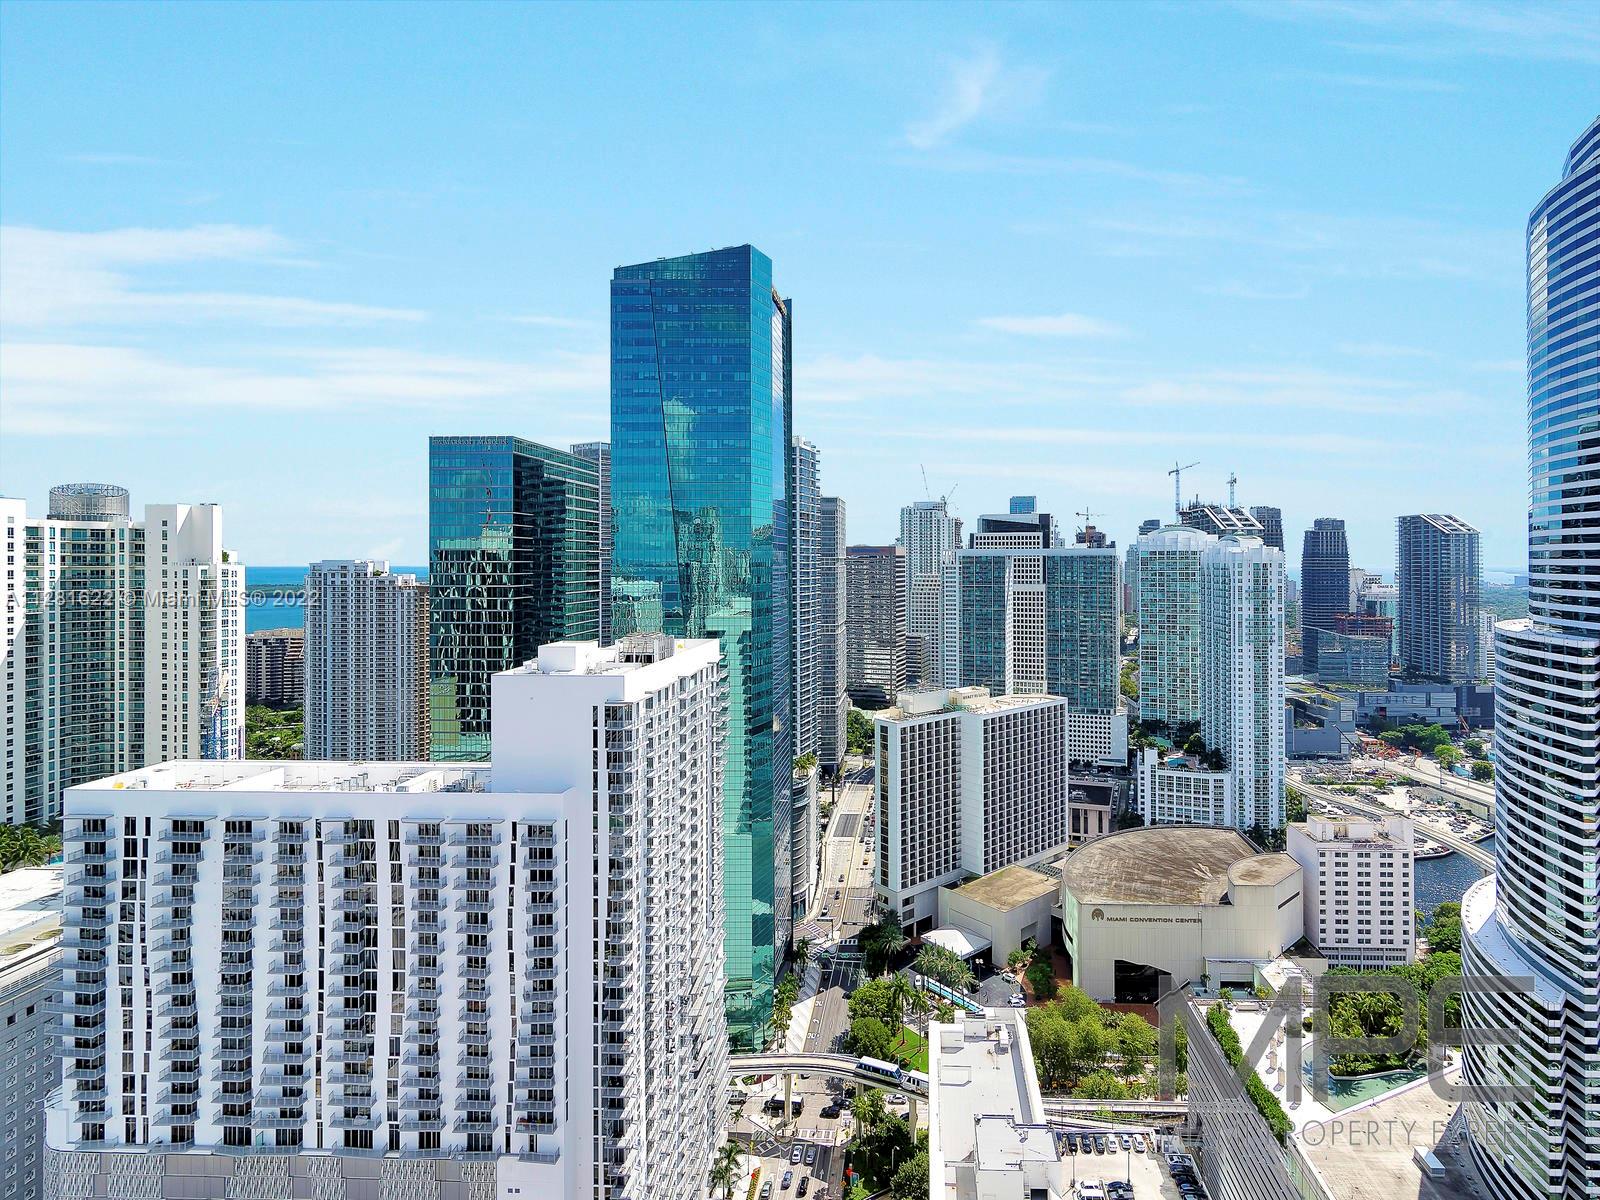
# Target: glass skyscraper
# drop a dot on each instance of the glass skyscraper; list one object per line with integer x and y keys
{"x": 1324, "y": 582}
{"x": 513, "y": 563}
{"x": 1535, "y": 1125}
{"x": 700, "y": 484}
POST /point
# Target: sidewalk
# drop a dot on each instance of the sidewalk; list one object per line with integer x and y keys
{"x": 800, "y": 1020}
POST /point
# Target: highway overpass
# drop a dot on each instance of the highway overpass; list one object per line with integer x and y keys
{"x": 1444, "y": 837}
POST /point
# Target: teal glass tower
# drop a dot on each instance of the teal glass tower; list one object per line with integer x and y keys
{"x": 700, "y": 463}
{"x": 513, "y": 563}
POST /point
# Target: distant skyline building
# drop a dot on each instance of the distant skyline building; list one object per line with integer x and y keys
{"x": 1015, "y": 531}
{"x": 513, "y": 564}
{"x": 701, "y": 435}
{"x": 1219, "y": 520}
{"x": 832, "y": 601}
{"x": 1023, "y": 504}
{"x": 275, "y": 668}
{"x": 1046, "y": 622}
{"x": 1439, "y": 574}
{"x": 1324, "y": 581}
{"x": 126, "y": 645}
{"x": 931, "y": 537}
{"x": 366, "y": 662}
{"x": 1270, "y": 518}
{"x": 1537, "y": 918}
{"x": 1241, "y": 679}
{"x": 1171, "y": 629}
{"x": 1357, "y": 660}
{"x": 970, "y": 783}
{"x": 599, "y": 454}
{"x": 805, "y": 576}
{"x": 875, "y": 639}
{"x": 447, "y": 981}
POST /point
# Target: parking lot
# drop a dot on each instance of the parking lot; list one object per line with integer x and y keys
{"x": 772, "y": 1140}
{"x": 1147, "y": 1172}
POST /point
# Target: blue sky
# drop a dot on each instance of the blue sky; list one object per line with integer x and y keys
{"x": 257, "y": 254}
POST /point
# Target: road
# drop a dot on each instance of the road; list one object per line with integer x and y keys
{"x": 1443, "y": 836}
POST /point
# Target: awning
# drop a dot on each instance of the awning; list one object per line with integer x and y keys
{"x": 957, "y": 941}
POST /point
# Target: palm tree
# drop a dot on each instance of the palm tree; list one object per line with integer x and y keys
{"x": 802, "y": 955}
{"x": 902, "y": 996}
{"x": 726, "y": 1169}
{"x": 867, "y": 1108}
{"x": 881, "y": 942}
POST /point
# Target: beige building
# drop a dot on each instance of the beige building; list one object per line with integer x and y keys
{"x": 1186, "y": 902}
{"x": 1360, "y": 888}
{"x": 1004, "y": 909}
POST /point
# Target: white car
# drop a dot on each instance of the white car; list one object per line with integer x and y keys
{"x": 896, "y": 1098}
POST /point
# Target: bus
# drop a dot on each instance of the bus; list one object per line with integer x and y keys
{"x": 878, "y": 1067}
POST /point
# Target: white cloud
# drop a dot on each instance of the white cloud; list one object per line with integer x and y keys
{"x": 1062, "y": 325}
{"x": 975, "y": 87}
{"x": 53, "y": 278}
{"x": 61, "y": 388}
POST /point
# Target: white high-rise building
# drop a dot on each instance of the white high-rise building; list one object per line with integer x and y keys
{"x": 132, "y": 637}
{"x": 1360, "y": 888}
{"x": 30, "y": 1022}
{"x": 1170, "y": 625}
{"x": 831, "y": 659}
{"x": 967, "y": 783}
{"x": 1241, "y": 676}
{"x": 13, "y": 651}
{"x": 366, "y": 662}
{"x": 1178, "y": 789}
{"x": 931, "y": 538}
{"x": 428, "y": 980}
{"x": 1486, "y": 622}
{"x": 805, "y": 577}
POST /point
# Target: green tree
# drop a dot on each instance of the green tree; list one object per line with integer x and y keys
{"x": 1128, "y": 680}
{"x": 948, "y": 967}
{"x": 874, "y": 998}
{"x": 805, "y": 764}
{"x": 1475, "y": 747}
{"x": 1483, "y": 769}
{"x": 1447, "y": 755}
{"x": 870, "y": 1037}
{"x": 1137, "y": 1043}
{"x": 910, "y": 1181}
{"x": 881, "y": 943}
{"x": 1101, "y": 1085}
{"x": 858, "y": 734}
{"x": 868, "y": 1109}
{"x": 726, "y": 1169}
{"x": 802, "y": 954}
{"x": 1041, "y": 977}
{"x": 1443, "y": 929}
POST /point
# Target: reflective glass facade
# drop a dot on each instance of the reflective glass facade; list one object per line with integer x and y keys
{"x": 700, "y": 465}
{"x": 513, "y": 563}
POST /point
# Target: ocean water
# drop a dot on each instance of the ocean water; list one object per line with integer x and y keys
{"x": 276, "y": 612}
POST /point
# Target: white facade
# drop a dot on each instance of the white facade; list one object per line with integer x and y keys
{"x": 1170, "y": 624}
{"x": 805, "y": 577}
{"x": 193, "y": 636}
{"x": 931, "y": 538}
{"x": 967, "y": 783}
{"x": 988, "y": 1135}
{"x": 134, "y": 642}
{"x": 1360, "y": 888}
{"x": 30, "y": 991}
{"x": 1174, "y": 789}
{"x": 1241, "y": 681}
{"x": 520, "y": 962}
{"x": 366, "y": 662}
{"x": 13, "y": 650}
{"x": 831, "y": 654}
{"x": 1097, "y": 736}
{"x": 1486, "y": 622}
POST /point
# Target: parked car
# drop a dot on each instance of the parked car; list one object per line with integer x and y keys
{"x": 897, "y": 1098}
{"x": 788, "y": 1178}
{"x": 766, "y": 1190}
{"x": 796, "y": 1153}
{"x": 805, "y": 1185}
{"x": 811, "y": 1154}
{"x": 1127, "y": 1142}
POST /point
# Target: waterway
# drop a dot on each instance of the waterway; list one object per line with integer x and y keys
{"x": 1448, "y": 878}
{"x": 286, "y": 612}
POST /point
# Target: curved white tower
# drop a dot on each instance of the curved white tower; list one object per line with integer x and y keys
{"x": 1539, "y": 916}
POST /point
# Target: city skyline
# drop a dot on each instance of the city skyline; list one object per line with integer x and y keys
{"x": 1148, "y": 266}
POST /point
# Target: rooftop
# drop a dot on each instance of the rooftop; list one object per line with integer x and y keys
{"x": 30, "y": 905}
{"x": 1165, "y": 864}
{"x": 1008, "y": 888}
{"x": 249, "y": 775}
{"x": 631, "y": 653}
{"x": 965, "y": 699}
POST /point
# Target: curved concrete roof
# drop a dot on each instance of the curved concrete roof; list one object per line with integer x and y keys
{"x": 1263, "y": 869}
{"x": 1166, "y": 864}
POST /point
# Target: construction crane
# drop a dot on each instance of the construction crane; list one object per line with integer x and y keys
{"x": 1177, "y": 487}
{"x": 1088, "y": 517}
{"x": 1233, "y": 482}
{"x": 927, "y": 491}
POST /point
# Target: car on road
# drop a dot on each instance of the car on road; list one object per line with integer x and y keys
{"x": 811, "y": 1155}
{"x": 788, "y": 1179}
{"x": 826, "y": 912}
{"x": 897, "y": 1098}
{"x": 805, "y": 1185}
{"x": 766, "y": 1190}
{"x": 1018, "y": 1000}
{"x": 1008, "y": 976}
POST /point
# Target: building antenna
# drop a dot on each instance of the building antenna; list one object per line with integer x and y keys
{"x": 1177, "y": 488}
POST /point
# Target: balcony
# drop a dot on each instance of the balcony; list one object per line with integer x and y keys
{"x": 475, "y": 1123}
{"x": 413, "y": 838}
{"x": 362, "y": 1121}
{"x": 422, "y": 1125}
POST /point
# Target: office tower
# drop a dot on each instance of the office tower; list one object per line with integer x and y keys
{"x": 513, "y": 564}
{"x": 805, "y": 574}
{"x": 30, "y": 1022}
{"x": 598, "y": 454}
{"x": 1220, "y": 520}
{"x": 1170, "y": 625}
{"x": 1270, "y": 519}
{"x": 1241, "y": 674}
{"x": 875, "y": 624}
{"x": 968, "y": 783}
{"x": 1130, "y": 569}
{"x": 1023, "y": 504}
{"x": 1324, "y": 581}
{"x": 1149, "y": 525}
{"x": 366, "y": 664}
{"x": 437, "y": 980}
{"x": 1360, "y": 888}
{"x": 1379, "y": 599}
{"x": 1357, "y": 660}
{"x": 1538, "y": 917}
{"x": 1486, "y": 618}
{"x": 1438, "y": 574}
{"x": 13, "y": 652}
{"x": 1017, "y": 531}
{"x": 831, "y": 605}
{"x": 133, "y": 636}
{"x": 701, "y": 431}
{"x": 1045, "y": 622}
{"x": 931, "y": 538}
{"x": 275, "y": 667}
